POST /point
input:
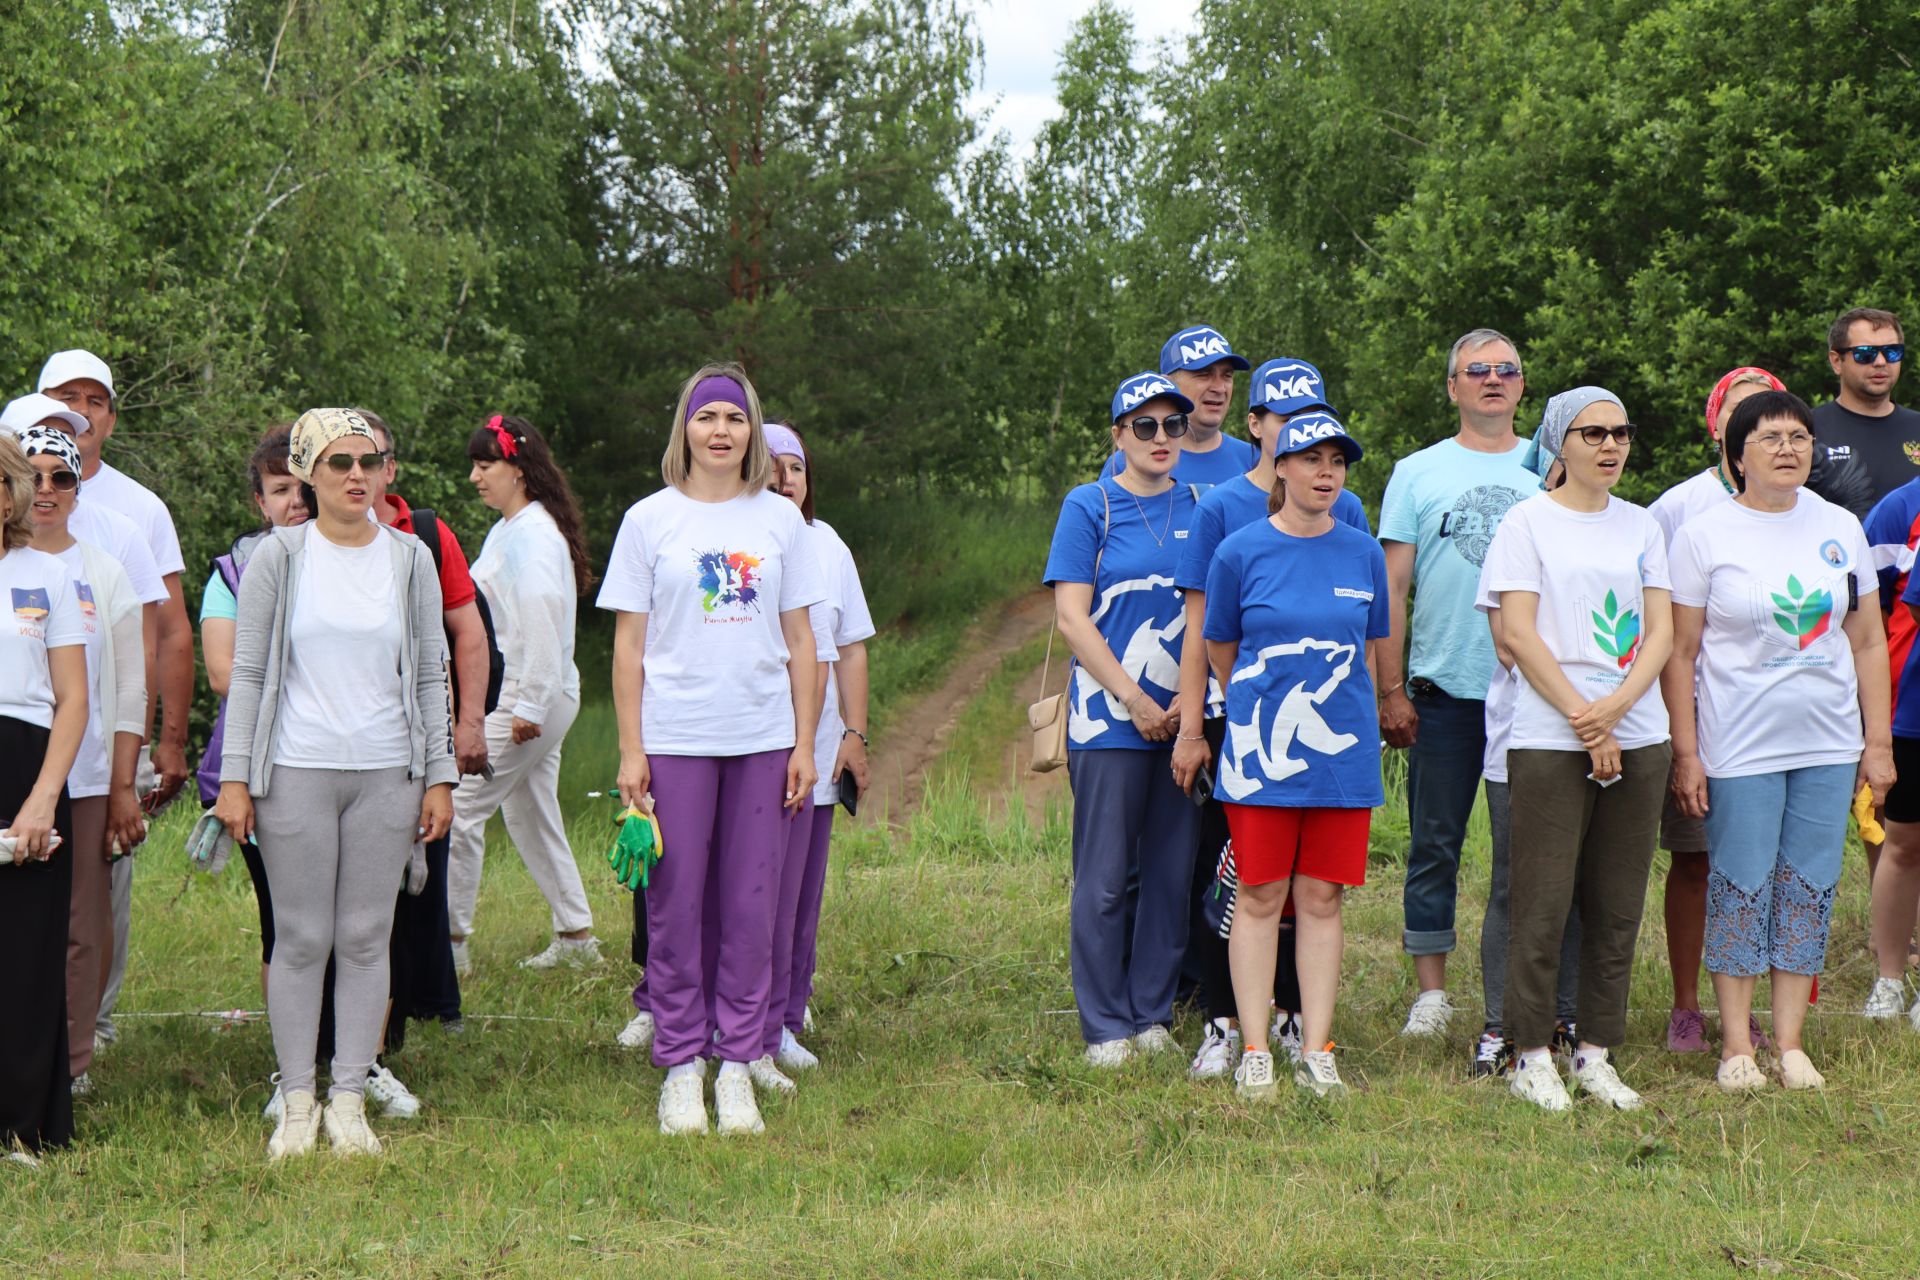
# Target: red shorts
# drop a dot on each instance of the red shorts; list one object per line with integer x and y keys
{"x": 1270, "y": 844}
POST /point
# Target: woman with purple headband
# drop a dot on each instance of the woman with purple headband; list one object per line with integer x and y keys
{"x": 714, "y": 689}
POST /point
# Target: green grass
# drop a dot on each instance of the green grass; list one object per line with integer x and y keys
{"x": 953, "y": 1130}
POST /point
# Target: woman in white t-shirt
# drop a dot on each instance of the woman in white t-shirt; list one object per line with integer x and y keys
{"x": 43, "y": 719}
{"x": 1793, "y": 716}
{"x": 532, "y": 570}
{"x": 713, "y": 685}
{"x": 1581, "y": 581}
{"x": 107, "y": 822}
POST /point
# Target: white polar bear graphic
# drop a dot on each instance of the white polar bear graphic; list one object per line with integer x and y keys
{"x": 1147, "y": 658}
{"x": 1298, "y": 720}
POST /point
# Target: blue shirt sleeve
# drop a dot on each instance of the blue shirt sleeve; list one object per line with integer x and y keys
{"x": 1399, "y": 517}
{"x": 218, "y": 602}
{"x": 1223, "y": 601}
{"x": 1203, "y": 539}
{"x": 1378, "y": 624}
{"x": 1076, "y": 537}
{"x": 1348, "y": 509}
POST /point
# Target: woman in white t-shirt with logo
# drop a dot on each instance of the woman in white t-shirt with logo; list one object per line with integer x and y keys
{"x": 107, "y": 822}
{"x": 1794, "y": 715}
{"x": 1581, "y": 581}
{"x": 43, "y": 718}
{"x": 713, "y": 685}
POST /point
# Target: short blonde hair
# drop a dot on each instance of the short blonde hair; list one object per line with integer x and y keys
{"x": 17, "y": 473}
{"x": 756, "y": 469}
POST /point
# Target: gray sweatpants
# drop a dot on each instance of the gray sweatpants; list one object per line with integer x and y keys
{"x": 1493, "y": 926}
{"x": 336, "y": 843}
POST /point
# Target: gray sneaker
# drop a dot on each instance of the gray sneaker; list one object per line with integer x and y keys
{"x": 1318, "y": 1073}
{"x": 1887, "y": 1000}
{"x": 574, "y": 953}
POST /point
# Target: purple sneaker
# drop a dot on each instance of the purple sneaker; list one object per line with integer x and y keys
{"x": 1686, "y": 1032}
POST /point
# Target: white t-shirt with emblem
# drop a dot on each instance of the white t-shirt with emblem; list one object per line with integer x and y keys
{"x": 121, "y": 492}
{"x": 713, "y": 579}
{"x": 37, "y": 592}
{"x": 1777, "y": 688}
{"x": 1589, "y": 569}
{"x": 92, "y": 773}
{"x": 122, "y": 539}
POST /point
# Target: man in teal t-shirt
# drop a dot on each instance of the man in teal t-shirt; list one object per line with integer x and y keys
{"x": 1437, "y": 519}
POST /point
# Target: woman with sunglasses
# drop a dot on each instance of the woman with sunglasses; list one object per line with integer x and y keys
{"x": 337, "y": 747}
{"x": 1115, "y": 551}
{"x": 1793, "y": 717}
{"x": 43, "y": 718}
{"x": 1580, "y": 579}
{"x": 107, "y": 822}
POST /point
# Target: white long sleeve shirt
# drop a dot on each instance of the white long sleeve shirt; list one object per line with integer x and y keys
{"x": 527, "y": 574}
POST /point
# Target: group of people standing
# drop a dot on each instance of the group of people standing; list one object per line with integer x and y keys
{"x": 1710, "y": 673}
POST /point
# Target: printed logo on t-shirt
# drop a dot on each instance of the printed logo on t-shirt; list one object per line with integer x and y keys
{"x": 1615, "y": 630}
{"x": 30, "y": 608}
{"x": 1353, "y": 593}
{"x": 1833, "y": 553}
{"x": 729, "y": 584}
{"x": 1251, "y": 756}
{"x": 1476, "y": 514}
{"x": 1147, "y": 658}
{"x": 83, "y": 594}
{"x": 1912, "y": 449}
{"x": 1802, "y": 615}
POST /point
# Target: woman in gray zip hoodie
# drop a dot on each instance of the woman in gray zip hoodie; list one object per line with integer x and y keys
{"x": 340, "y": 750}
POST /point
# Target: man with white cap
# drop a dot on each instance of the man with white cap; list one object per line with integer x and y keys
{"x": 82, "y": 382}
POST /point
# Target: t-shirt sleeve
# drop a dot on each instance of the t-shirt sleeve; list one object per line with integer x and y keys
{"x": 1484, "y": 597}
{"x": 1379, "y": 623}
{"x": 855, "y": 621}
{"x": 1686, "y": 570}
{"x": 1223, "y": 601}
{"x": 143, "y": 573}
{"x": 628, "y": 586}
{"x": 217, "y": 601}
{"x": 456, "y": 580}
{"x": 1202, "y": 541}
{"x": 1399, "y": 514}
{"x": 820, "y": 616}
{"x": 802, "y": 585}
{"x": 1513, "y": 561}
{"x": 1076, "y": 538}
{"x": 64, "y": 625}
{"x": 1348, "y": 509}
{"x": 1654, "y": 570}
{"x": 166, "y": 542}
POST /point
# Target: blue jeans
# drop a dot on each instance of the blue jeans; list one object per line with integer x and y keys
{"x": 1443, "y": 775}
{"x": 1774, "y": 845}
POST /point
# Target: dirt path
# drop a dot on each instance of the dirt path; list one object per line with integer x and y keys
{"x": 915, "y": 739}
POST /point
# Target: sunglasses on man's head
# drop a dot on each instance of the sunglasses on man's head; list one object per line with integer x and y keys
{"x": 1480, "y": 369}
{"x": 1144, "y": 426}
{"x": 343, "y": 462}
{"x": 59, "y": 481}
{"x": 1597, "y": 436}
{"x": 1895, "y": 352}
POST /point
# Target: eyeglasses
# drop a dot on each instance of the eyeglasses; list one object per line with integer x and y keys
{"x": 1480, "y": 369}
{"x": 1174, "y": 424}
{"x": 1895, "y": 352}
{"x": 1597, "y": 436}
{"x": 59, "y": 481}
{"x": 341, "y": 463}
{"x": 1774, "y": 442}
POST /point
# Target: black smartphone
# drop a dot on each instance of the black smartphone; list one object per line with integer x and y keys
{"x": 847, "y": 792}
{"x": 1202, "y": 786}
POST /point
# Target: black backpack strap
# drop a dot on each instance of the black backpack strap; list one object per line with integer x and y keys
{"x": 426, "y": 527}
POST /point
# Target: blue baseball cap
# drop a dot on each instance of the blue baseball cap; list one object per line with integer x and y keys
{"x": 1287, "y": 386}
{"x": 1198, "y": 348}
{"x": 1309, "y": 429}
{"x": 1142, "y": 387}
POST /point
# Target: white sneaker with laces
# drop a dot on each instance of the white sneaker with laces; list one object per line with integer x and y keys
{"x": 734, "y": 1105}
{"x": 1597, "y": 1077}
{"x": 638, "y": 1033}
{"x": 1253, "y": 1078}
{"x": 1886, "y": 1001}
{"x": 766, "y": 1075}
{"x": 462, "y": 961}
{"x": 1218, "y": 1054}
{"x": 1318, "y": 1073}
{"x": 1540, "y": 1084}
{"x": 793, "y": 1055}
{"x": 395, "y": 1099}
{"x": 348, "y": 1132}
{"x": 1156, "y": 1039}
{"x": 1109, "y": 1053}
{"x": 574, "y": 953}
{"x": 299, "y": 1126}
{"x": 683, "y": 1103}
{"x": 1429, "y": 1014}
{"x": 1286, "y": 1034}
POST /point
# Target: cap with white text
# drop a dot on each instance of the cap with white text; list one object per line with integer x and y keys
{"x": 1142, "y": 387}
{"x": 1310, "y": 429}
{"x": 1287, "y": 386}
{"x": 1200, "y": 347}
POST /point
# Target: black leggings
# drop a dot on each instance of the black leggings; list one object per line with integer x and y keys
{"x": 1216, "y": 977}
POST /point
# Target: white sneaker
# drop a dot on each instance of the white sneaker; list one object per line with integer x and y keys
{"x": 1218, "y": 1053}
{"x": 1540, "y": 1084}
{"x": 275, "y": 1103}
{"x": 1286, "y": 1034}
{"x": 638, "y": 1033}
{"x": 1109, "y": 1053}
{"x": 1318, "y": 1073}
{"x": 766, "y": 1075}
{"x": 683, "y": 1103}
{"x": 806, "y": 1018}
{"x": 1598, "y": 1078}
{"x": 1740, "y": 1074}
{"x": 299, "y": 1125}
{"x": 1156, "y": 1039}
{"x": 793, "y": 1055}
{"x": 574, "y": 953}
{"x": 1886, "y": 1001}
{"x": 395, "y": 1099}
{"x": 348, "y": 1132}
{"x": 734, "y": 1104}
{"x": 1253, "y": 1078}
{"x": 80, "y": 1087}
{"x": 462, "y": 962}
{"x": 1429, "y": 1014}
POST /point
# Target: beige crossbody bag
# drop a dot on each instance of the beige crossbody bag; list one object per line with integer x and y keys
{"x": 1048, "y": 717}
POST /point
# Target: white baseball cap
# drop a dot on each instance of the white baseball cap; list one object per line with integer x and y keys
{"x": 63, "y": 367}
{"x": 31, "y": 411}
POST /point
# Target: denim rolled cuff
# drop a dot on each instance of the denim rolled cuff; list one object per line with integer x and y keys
{"x": 1433, "y": 942}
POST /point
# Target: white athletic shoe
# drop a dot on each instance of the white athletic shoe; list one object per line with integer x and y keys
{"x": 395, "y": 1099}
{"x": 1598, "y": 1078}
{"x": 299, "y": 1125}
{"x": 1156, "y": 1039}
{"x": 793, "y": 1055}
{"x": 1219, "y": 1053}
{"x": 683, "y": 1103}
{"x": 1253, "y": 1078}
{"x": 766, "y": 1075}
{"x": 1318, "y": 1073}
{"x": 638, "y": 1033}
{"x": 1286, "y": 1034}
{"x": 348, "y": 1132}
{"x": 462, "y": 961}
{"x": 733, "y": 1102}
{"x": 276, "y": 1104}
{"x": 1429, "y": 1014}
{"x": 574, "y": 953}
{"x": 1886, "y": 1001}
{"x": 80, "y": 1087}
{"x": 1109, "y": 1053}
{"x": 1540, "y": 1084}
{"x": 806, "y": 1018}
{"x": 1798, "y": 1072}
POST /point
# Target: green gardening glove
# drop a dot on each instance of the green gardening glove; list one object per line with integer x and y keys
{"x": 637, "y": 849}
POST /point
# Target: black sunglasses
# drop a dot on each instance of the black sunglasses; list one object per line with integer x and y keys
{"x": 1895, "y": 352}
{"x": 59, "y": 481}
{"x": 1174, "y": 424}
{"x": 1597, "y": 436}
{"x": 341, "y": 463}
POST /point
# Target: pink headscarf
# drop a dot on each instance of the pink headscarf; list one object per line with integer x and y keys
{"x": 1718, "y": 396}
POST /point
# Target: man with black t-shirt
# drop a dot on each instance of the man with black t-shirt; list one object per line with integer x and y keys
{"x": 1864, "y": 445}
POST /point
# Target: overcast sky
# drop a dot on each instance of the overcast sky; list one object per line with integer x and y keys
{"x": 1023, "y": 39}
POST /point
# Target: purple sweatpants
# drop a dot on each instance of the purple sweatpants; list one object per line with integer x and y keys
{"x": 799, "y": 834}
{"x": 806, "y": 924}
{"x": 714, "y": 894}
